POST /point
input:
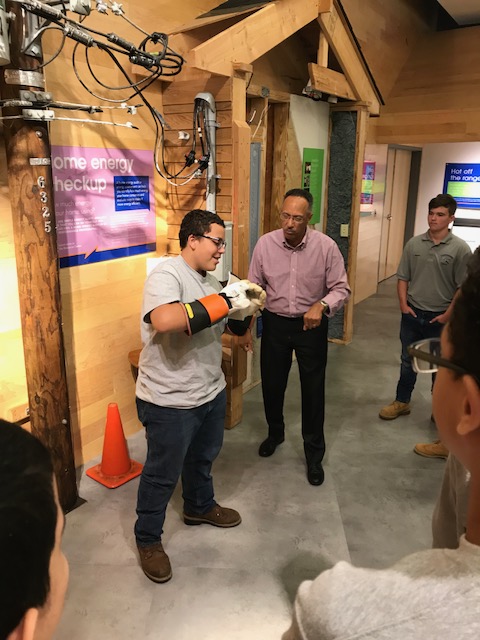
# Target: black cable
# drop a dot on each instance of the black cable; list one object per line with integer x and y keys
{"x": 92, "y": 93}
{"x": 153, "y": 76}
{"x": 148, "y": 80}
{"x": 166, "y": 62}
{"x": 56, "y": 54}
{"x": 78, "y": 31}
{"x": 152, "y": 110}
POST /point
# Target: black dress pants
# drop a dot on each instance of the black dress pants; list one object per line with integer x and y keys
{"x": 280, "y": 338}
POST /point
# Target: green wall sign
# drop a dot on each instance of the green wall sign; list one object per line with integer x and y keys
{"x": 312, "y": 179}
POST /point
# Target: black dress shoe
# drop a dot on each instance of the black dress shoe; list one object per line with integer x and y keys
{"x": 268, "y": 446}
{"x": 316, "y": 475}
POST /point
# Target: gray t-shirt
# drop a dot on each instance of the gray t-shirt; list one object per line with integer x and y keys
{"x": 433, "y": 271}
{"x": 429, "y": 595}
{"x": 177, "y": 370}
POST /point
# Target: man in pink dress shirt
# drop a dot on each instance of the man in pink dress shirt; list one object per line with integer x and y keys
{"x": 303, "y": 273}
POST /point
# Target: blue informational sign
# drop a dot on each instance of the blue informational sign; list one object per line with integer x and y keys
{"x": 131, "y": 193}
{"x": 462, "y": 182}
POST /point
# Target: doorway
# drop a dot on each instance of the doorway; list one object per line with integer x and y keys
{"x": 401, "y": 188}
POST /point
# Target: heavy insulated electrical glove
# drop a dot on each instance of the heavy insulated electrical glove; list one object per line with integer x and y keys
{"x": 245, "y": 297}
{"x": 239, "y": 299}
{"x": 255, "y": 294}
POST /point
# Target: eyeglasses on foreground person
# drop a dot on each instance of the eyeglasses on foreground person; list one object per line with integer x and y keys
{"x": 426, "y": 358}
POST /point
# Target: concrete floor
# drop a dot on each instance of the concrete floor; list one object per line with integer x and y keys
{"x": 238, "y": 584}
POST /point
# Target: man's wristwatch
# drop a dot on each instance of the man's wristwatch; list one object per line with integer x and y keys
{"x": 325, "y": 305}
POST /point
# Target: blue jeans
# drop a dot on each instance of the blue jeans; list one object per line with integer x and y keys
{"x": 411, "y": 330}
{"x": 180, "y": 442}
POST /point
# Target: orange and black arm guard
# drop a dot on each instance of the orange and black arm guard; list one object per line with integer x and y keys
{"x": 205, "y": 312}
{"x": 240, "y": 327}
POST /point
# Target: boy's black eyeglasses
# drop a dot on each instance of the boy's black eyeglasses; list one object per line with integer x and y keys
{"x": 426, "y": 358}
{"x": 220, "y": 242}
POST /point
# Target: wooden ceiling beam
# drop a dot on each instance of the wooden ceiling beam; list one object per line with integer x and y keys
{"x": 346, "y": 52}
{"x": 329, "y": 81}
{"x": 254, "y": 36}
{"x": 260, "y": 91}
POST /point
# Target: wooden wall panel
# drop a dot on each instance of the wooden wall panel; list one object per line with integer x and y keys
{"x": 167, "y": 16}
{"x": 437, "y": 95}
{"x": 178, "y": 101}
{"x": 293, "y": 168}
{"x": 281, "y": 117}
{"x": 387, "y": 32}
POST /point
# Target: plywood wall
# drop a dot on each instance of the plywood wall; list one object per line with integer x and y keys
{"x": 387, "y": 32}
{"x": 437, "y": 95}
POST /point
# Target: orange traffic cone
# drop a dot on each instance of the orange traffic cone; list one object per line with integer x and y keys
{"x": 116, "y": 467}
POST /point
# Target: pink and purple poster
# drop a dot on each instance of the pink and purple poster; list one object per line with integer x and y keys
{"x": 104, "y": 203}
{"x": 368, "y": 179}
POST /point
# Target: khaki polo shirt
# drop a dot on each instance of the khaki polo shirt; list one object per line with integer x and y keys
{"x": 434, "y": 272}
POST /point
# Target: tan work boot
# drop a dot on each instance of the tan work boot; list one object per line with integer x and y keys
{"x": 392, "y": 411}
{"x": 155, "y": 562}
{"x": 432, "y": 450}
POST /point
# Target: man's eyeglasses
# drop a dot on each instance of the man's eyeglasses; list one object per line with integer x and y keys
{"x": 426, "y": 357}
{"x": 220, "y": 242}
{"x": 287, "y": 216}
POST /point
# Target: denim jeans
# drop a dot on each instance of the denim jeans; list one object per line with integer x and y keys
{"x": 411, "y": 330}
{"x": 180, "y": 442}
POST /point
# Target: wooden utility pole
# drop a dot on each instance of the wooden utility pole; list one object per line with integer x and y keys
{"x": 31, "y": 196}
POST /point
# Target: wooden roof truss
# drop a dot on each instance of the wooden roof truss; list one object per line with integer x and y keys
{"x": 261, "y": 31}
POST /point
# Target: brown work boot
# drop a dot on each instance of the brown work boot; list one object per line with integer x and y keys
{"x": 432, "y": 450}
{"x": 155, "y": 562}
{"x": 395, "y": 409}
{"x": 218, "y": 516}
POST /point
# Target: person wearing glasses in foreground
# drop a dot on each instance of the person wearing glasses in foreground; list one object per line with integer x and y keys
{"x": 434, "y": 593}
{"x": 33, "y": 569}
{"x": 303, "y": 273}
{"x": 181, "y": 398}
{"x": 432, "y": 268}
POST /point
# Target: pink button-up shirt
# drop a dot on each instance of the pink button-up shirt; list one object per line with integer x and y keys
{"x": 297, "y": 277}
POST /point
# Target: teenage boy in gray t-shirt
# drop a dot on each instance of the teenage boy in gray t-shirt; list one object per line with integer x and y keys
{"x": 180, "y": 390}
{"x": 432, "y": 268}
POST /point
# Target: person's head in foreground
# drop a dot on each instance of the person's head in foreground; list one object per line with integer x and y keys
{"x": 33, "y": 569}
{"x": 456, "y": 393}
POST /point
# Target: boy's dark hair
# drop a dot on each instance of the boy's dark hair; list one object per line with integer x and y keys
{"x": 28, "y": 518}
{"x": 196, "y": 223}
{"x": 443, "y": 200}
{"x": 464, "y": 325}
{"x": 301, "y": 193}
